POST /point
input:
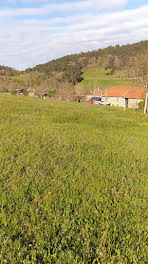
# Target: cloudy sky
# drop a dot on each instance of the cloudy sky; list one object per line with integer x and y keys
{"x": 36, "y": 31}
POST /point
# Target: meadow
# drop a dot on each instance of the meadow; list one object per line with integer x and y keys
{"x": 73, "y": 183}
{"x": 93, "y": 85}
{"x": 98, "y": 78}
{"x": 100, "y": 73}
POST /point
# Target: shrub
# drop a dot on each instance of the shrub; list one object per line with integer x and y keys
{"x": 13, "y": 92}
{"x": 51, "y": 93}
{"x": 141, "y": 106}
{"x": 111, "y": 72}
{"x": 25, "y": 92}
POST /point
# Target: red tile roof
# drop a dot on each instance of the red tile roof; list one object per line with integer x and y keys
{"x": 101, "y": 93}
{"x": 123, "y": 91}
{"x": 138, "y": 93}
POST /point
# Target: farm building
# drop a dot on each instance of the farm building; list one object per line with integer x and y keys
{"x": 124, "y": 96}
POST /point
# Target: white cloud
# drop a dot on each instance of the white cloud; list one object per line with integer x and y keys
{"x": 27, "y": 42}
{"x": 63, "y": 7}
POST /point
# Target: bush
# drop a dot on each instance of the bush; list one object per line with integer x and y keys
{"x": 111, "y": 72}
{"x": 25, "y": 92}
{"x": 13, "y": 92}
{"x": 141, "y": 106}
{"x": 51, "y": 93}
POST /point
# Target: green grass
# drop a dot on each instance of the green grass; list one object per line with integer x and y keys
{"x": 100, "y": 73}
{"x": 104, "y": 84}
{"x": 97, "y": 73}
{"x": 72, "y": 183}
{"x": 97, "y": 78}
{"x": 20, "y": 77}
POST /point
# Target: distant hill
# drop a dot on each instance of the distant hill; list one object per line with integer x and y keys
{"x": 109, "y": 58}
{"x": 69, "y": 75}
{"x": 8, "y": 71}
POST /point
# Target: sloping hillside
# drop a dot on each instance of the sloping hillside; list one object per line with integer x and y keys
{"x": 84, "y": 72}
{"x": 8, "y": 71}
{"x": 5, "y": 75}
{"x": 98, "y": 78}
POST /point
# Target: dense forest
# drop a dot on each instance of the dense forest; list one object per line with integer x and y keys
{"x": 62, "y": 75}
{"x": 71, "y": 67}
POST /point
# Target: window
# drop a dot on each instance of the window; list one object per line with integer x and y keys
{"x": 117, "y": 99}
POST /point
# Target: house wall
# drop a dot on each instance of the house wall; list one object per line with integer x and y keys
{"x": 133, "y": 103}
{"x": 120, "y": 102}
{"x": 114, "y": 101}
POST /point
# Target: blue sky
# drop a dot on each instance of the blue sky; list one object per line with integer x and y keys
{"x": 36, "y": 31}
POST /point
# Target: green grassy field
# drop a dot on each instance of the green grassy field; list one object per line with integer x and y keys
{"x": 97, "y": 73}
{"x": 21, "y": 77}
{"x": 72, "y": 183}
{"x": 104, "y": 84}
{"x": 97, "y": 78}
{"x": 100, "y": 73}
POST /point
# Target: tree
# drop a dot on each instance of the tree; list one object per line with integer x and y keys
{"x": 138, "y": 67}
{"x": 146, "y": 99}
{"x": 143, "y": 75}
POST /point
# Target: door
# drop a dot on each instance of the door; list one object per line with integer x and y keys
{"x": 126, "y": 102}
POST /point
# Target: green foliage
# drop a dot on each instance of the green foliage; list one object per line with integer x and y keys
{"x": 119, "y": 62}
{"x": 111, "y": 58}
{"x": 27, "y": 79}
{"x": 71, "y": 69}
{"x": 25, "y": 92}
{"x": 72, "y": 183}
{"x": 51, "y": 93}
{"x": 8, "y": 71}
{"x": 13, "y": 92}
{"x": 141, "y": 106}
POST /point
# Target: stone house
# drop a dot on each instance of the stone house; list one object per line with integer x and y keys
{"x": 124, "y": 96}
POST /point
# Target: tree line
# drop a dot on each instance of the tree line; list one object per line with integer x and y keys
{"x": 66, "y": 72}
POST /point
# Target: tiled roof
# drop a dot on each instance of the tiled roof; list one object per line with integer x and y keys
{"x": 101, "y": 93}
{"x": 124, "y": 91}
{"x": 138, "y": 93}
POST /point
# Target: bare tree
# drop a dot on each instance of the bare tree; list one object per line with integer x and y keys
{"x": 138, "y": 68}
{"x": 146, "y": 99}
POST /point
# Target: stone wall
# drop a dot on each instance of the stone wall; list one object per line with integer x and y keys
{"x": 120, "y": 101}
{"x": 133, "y": 103}
{"x": 114, "y": 101}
